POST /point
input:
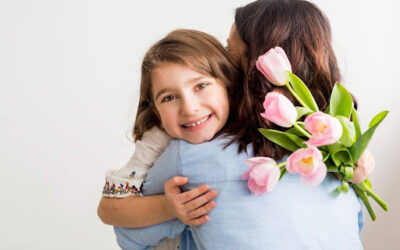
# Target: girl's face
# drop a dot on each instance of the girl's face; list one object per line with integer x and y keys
{"x": 190, "y": 105}
{"x": 237, "y": 48}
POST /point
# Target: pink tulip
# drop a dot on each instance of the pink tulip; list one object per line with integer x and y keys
{"x": 325, "y": 129}
{"x": 365, "y": 166}
{"x": 273, "y": 65}
{"x": 307, "y": 162}
{"x": 263, "y": 175}
{"x": 279, "y": 110}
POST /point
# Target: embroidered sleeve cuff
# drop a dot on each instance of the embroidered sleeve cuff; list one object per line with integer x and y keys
{"x": 118, "y": 187}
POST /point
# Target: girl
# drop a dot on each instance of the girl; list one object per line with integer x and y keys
{"x": 186, "y": 80}
{"x": 292, "y": 210}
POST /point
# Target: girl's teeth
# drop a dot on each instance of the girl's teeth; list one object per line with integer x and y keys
{"x": 196, "y": 123}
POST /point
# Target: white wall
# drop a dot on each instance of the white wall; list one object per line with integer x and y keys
{"x": 69, "y": 74}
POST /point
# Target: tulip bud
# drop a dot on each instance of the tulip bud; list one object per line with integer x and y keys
{"x": 263, "y": 175}
{"x": 308, "y": 162}
{"x": 324, "y": 129}
{"x": 273, "y": 65}
{"x": 365, "y": 166}
{"x": 279, "y": 110}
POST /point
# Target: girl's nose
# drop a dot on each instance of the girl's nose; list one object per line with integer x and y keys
{"x": 190, "y": 106}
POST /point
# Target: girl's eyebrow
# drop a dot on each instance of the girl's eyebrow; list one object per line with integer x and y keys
{"x": 195, "y": 79}
{"x": 161, "y": 92}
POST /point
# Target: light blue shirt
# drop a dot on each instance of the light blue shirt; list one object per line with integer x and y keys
{"x": 292, "y": 216}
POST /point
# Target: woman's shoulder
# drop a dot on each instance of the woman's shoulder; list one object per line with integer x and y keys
{"x": 219, "y": 146}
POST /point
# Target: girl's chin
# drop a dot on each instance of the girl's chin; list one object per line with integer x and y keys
{"x": 198, "y": 139}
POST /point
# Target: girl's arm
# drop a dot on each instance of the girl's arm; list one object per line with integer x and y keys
{"x": 190, "y": 207}
{"x": 134, "y": 211}
{"x": 122, "y": 203}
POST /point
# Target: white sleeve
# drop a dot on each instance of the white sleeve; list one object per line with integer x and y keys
{"x": 129, "y": 179}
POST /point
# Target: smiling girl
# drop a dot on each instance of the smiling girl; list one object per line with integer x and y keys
{"x": 187, "y": 78}
{"x": 191, "y": 105}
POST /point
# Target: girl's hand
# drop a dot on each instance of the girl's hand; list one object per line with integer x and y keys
{"x": 191, "y": 206}
{"x": 365, "y": 166}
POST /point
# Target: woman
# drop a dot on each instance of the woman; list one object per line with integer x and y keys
{"x": 258, "y": 27}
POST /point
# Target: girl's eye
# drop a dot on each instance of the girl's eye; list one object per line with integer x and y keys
{"x": 201, "y": 85}
{"x": 168, "y": 98}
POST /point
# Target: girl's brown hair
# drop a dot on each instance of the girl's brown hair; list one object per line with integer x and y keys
{"x": 197, "y": 50}
{"x": 303, "y": 31}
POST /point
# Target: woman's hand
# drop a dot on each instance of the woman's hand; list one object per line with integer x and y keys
{"x": 191, "y": 206}
{"x": 365, "y": 166}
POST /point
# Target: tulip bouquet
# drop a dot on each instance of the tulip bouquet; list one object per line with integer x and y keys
{"x": 327, "y": 141}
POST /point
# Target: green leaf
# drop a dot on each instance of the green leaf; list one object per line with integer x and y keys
{"x": 303, "y": 92}
{"x": 325, "y": 155}
{"x": 349, "y": 133}
{"x": 331, "y": 166}
{"x": 356, "y": 121}
{"x": 326, "y": 111}
{"x": 341, "y": 102}
{"x": 289, "y": 141}
{"x": 348, "y": 172}
{"x": 362, "y": 142}
{"x": 378, "y": 118}
{"x": 302, "y": 111}
{"x": 340, "y": 154}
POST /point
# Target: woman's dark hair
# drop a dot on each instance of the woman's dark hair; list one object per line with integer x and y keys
{"x": 303, "y": 31}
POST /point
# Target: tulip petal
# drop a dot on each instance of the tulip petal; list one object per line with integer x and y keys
{"x": 281, "y": 52}
{"x": 316, "y": 178}
{"x": 273, "y": 65}
{"x": 260, "y": 173}
{"x": 365, "y": 166}
{"x": 259, "y": 66}
{"x": 273, "y": 179}
{"x": 289, "y": 163}
{"x": 304, "y": 161}
{"x": 255, "y": 189}
{"x": 246, "y": 175}
{"x": 279, "y": 110}
{"x": 254, "y": 161}
{"x": 275, "y": 68}
{"x": 325, "y": 129}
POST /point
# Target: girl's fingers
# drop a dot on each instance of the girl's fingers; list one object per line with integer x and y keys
{"x": 198, "y": 221}
{"x": 200, "y": 201}
{"x": 202, "y": 210}
{"x": 172, "y": 185}
{"x": 191, "y": 194}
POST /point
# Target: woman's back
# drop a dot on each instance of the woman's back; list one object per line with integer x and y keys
{"x": 293, "y": 216}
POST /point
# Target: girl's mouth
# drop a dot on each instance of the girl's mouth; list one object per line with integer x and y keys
{"x": 197, "y": 123}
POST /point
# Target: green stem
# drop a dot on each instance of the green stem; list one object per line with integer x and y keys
{"x": 296, "y": 96}
{"x": 364, "y": 199}
{"x": 282, "y": 164}
{"x": 301, "y": 130}
{"x": 283, "y": 172}
{"x": 371, "y": 193}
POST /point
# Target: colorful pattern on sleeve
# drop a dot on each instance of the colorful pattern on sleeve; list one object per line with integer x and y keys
{"x": 119, "y": 188}
{"x": 112, "y": 190}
